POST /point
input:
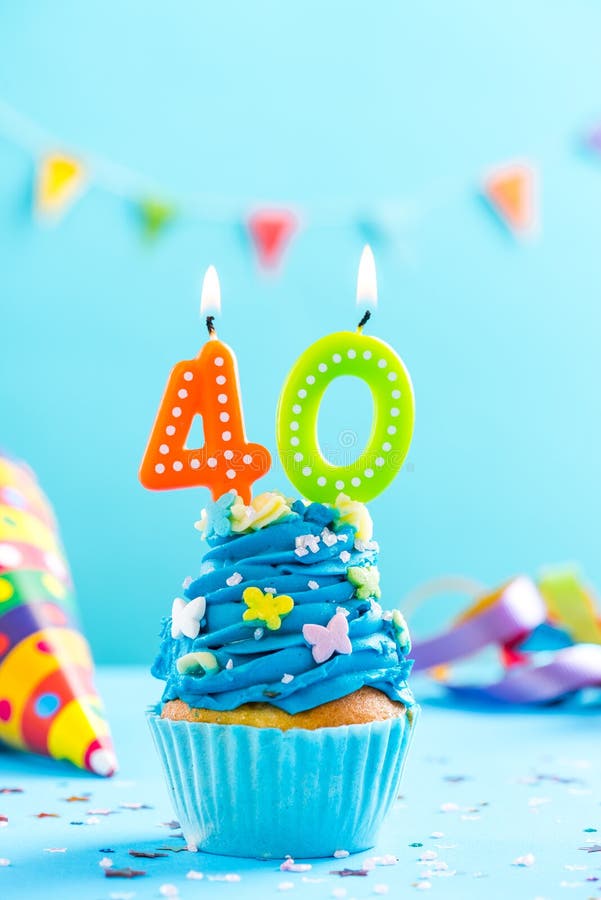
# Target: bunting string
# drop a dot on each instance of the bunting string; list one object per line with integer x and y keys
{"x": 62, "y": 174}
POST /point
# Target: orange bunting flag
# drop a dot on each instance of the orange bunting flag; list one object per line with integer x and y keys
{"x": 271, "y": 230}
{"x": 511, "y": 192}
{"x": 60, "y": 180}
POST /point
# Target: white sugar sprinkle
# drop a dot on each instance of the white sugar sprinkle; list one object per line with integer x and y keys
{"x": 234, "y": 579}
{"x": 345, "y": 556}
{"x": 437, "y": 834}
{"x": 340, "y": 854}
{"x": 229, "y": 664}
{"x": 423, "y": 885}
{"x": 4, "y": 861}
{"x": 105, "y": 863}
{"x": 526, "y": 860}
{"x": 269, "y": 590}
{"x": 285, "y": 885}
{"x": 312, "y": 585}
{"x": 168, "y": 890}
{"x": 381, "y": 888}
{"x": 339, "y": 892}
{"x": 258, "y": 634}
{"x": 286, "y": 678}
{"x": 193, "y": 875}
{"x": 428, "y": 855}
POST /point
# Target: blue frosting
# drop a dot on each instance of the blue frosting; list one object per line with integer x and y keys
{"x": 252, "y": 659}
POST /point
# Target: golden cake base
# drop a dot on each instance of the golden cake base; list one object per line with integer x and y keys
{"x": 365, "y": 705}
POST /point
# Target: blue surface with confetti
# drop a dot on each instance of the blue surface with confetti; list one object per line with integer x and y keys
{"x": 494, "y": 804}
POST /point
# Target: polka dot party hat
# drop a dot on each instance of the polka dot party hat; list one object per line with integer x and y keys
{"x": 48, "y": 703}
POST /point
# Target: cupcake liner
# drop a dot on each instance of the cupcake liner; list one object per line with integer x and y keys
{"x": 238, "y": 790}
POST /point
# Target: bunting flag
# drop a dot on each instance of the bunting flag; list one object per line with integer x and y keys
{"x": 60, "y": 180}
{"x": 155, "y": 215}
{"x": 271, "y": 231}
{"x": 511, "y": 192}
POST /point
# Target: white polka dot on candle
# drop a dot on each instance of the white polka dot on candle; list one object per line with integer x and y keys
{"x": 182, "y": 393}
{"x": 188, "y": 376}
{"x": 310, "y": 379}
{"x": 321, "y": 481}
{"x": 369, "y": 473}
{"x": 294, "y": 441}
{"x": 294, "y": 426}
{"x": 396, "y": 394}
{"x": 231, "y": 473}
{"x": 392, "y": 376}
{"x": 391, "y": 429}
{"x": 224, "y": 417}
{"x": 296, "y": 409}
{"x": 164, "y": 449}
{"x": 351, "y": 353}
{"x": 176, "y": 411}
{"x": 170, "y": 430}
{"x": 337, "y": 357}
{"x": 219, "y": 360}
{"x": 355, "y": 482}
{"x": 380, "y": 462}
{"x": 340, "y": 485}
{"x": 221, "y": 379}
{"x": 395, "y": 411}
{"x": 322, "y": 367}
{"x": 367, "y": 354}
{"x": 226, "y": 435}
{"x": 178, "y": 466}
{"x": 386, "y": 446}
{"x": 229, "y": 454}
{"x": 382, "y": 363}
{"x": 302, "y": 393}
{"x": 298, "y": 457}
{"x": 195, "y": 464}
{"x": 211, "y": 462}
{"x": 307, "y": 470}
{"x": 159, "y": 468}
{"x": 222, "y": 398}
{"x": 247, "y": 459}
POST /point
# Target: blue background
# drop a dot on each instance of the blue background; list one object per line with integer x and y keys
{"x": 339, "y": 108}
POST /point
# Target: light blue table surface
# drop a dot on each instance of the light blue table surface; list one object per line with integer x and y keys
{"x": 481, "y": 789}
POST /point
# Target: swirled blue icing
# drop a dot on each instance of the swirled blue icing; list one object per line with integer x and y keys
{"x": 253, "y": 660}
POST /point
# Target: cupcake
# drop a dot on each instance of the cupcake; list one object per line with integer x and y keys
{"x": 286, "y": 715}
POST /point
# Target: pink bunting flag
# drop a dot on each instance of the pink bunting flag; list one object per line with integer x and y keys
{"x": 511, "y": 192}
{"x": 271, "y": 230}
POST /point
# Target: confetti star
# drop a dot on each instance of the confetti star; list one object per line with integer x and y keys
{"x": 123, "y": 873}
{"x": 9, "y": 790}
{"x": 591, "y": 848}
{"x": 85, "y": 798}
{"x": 100, "y": 812}
{"x": 146, "y": 854}
{"x": 186, "y": 617}
{"x": 344, "y": 873}
{"x": 45, "y": 815}
{"x": 134, "y": 806}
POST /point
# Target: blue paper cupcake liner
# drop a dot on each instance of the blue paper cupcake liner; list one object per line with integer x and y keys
{"x": 238, "y": 790}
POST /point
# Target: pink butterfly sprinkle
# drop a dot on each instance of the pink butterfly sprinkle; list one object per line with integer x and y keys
{"x": 329, "y": 640}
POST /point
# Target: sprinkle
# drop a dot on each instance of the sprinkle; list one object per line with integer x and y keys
{"x": 146, "y": 854}
{"x": 428, "y": 855}
{"x": 4, "y": 861}
{"x": 328, "y": 537}
{"x": 591, "y": 848}
{"x": 416, "y": 844}
{"x": 121, "y": 895}
{"x": 230, "y": 876}
{"x": 187, "y": 582}
{"x": 340, "y": 854}
{"x": 55, "y": 849}
{"x": 423, "y": 885}
{"x": 234, "y": 579}
{"x": 258, "y": 634}
{"x": 449, "y": 807}
{"x": 229, "y": 664}
{"x": 92, "y": 820}
{"x": 301, "y": 551}
{"x": 339, "y": 892}
{"x": 85, "y": 798}
{"x": 312, "y": 585}
{"x": 381, "y": 888}
{"x": 308, "y": 542}
{"x": 100, "y": 812}
{"x": 286, "y": 678}
{"x": 44, "y": 815}
{"x": 285, "y": 885}
{"x": 361, "y": 546}
{"x": 193, "y": 875}
{"x": 345, "y": 873}
{"x": 124, "y": 873}
{"x": 269, "y": 590}
{"x": 345, "y": 556}
{"x": 105, "y": 863}
{"x": 8, "y": 790}
{"x": 437, "y": 834}
{"x": 134, "y": 806}
{"x": 290, "y": 866}
{"x": 106, "y": 850}
{"x": 526, "y": 860}
{"x": 342, "y": 537}
{"x": 168, "y": 890}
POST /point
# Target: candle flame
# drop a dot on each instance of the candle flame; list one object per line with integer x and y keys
{"x": 210, "y": 298}
{"x": 367, "y": 282}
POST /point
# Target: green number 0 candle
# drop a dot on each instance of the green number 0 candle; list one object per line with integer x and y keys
{"x": 376, "y": 363}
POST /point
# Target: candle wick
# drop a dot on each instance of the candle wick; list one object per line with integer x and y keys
{"x": 211, "y": 325}
{"x": 364, "y": 320}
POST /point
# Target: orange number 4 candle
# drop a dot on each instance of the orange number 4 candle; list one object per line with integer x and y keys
{"x": 207, "y": 386}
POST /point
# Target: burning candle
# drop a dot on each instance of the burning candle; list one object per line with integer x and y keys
{"x": 207, "y": 386}
{"x": 376, "y": 363}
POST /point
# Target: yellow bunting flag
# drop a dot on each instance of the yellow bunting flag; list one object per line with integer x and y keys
{"x": 511, "y": 192}
{"x": 60, "y": 180}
